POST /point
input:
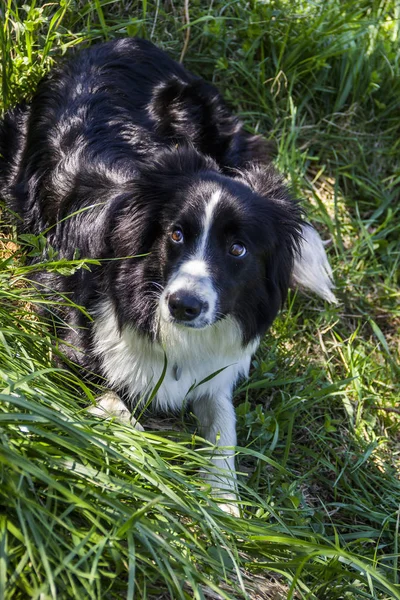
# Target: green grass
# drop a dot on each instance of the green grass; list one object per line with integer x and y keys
{"x": 93, "y": 509}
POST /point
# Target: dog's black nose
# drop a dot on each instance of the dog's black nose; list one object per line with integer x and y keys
{"x": 184, "y": 306}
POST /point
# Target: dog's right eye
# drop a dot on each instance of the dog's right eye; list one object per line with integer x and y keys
{"x": 237, "y": 250}
{"x": 177, "y": 236}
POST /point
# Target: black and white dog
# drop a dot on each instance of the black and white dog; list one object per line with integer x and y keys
{"x": 126, "y": 157}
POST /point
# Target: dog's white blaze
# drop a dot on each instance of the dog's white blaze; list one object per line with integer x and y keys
{"x": 194, "y": 268}
{"x": 207, "y": 222}
{"x": 193, "y": 275}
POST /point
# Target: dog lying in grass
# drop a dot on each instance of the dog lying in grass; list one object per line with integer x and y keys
{"x": 126, "y": 157}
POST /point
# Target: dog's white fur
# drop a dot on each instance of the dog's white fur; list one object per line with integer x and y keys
{"x": 311, "y": 270}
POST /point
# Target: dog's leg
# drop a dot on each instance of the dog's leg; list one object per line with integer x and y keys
{"x": 217, "y": 422}
{"x": 110, "y": 405}
{"x": 311, "y": 269}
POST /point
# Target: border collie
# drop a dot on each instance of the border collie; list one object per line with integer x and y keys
{"x": 126, "y": 157}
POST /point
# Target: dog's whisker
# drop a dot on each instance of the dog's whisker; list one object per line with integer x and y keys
{"x": 157, "y": 285}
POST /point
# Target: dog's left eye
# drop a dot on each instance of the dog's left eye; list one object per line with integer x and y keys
{"x": 177, "y": 236}
{"x": 237, "y": 250}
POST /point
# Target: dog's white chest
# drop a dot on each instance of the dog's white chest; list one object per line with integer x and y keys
{"x": 190, "y": 359}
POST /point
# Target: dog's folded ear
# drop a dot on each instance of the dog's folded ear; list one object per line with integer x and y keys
{"x": 266, "y": 182}
{"x": 196, "y": 113}
{"x": 178, "y": 110}
{"x": 193, "y": 112}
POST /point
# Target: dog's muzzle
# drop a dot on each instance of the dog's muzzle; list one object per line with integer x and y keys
{"x": 189, "y": 298}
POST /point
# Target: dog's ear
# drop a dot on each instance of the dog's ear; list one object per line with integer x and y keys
{"x": 311, "y": 269}
{"x": 282, "y": 220}
{"x": 177, "y": 111}
{"x": 300, "y": 247}
{"x": 196, "y": 113}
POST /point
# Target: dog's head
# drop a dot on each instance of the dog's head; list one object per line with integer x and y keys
{"x": 229, "y": 251}
{"x": 216, "y": 246}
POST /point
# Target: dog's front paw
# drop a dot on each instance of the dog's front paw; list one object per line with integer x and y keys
{"x": 224, "y": 490}
{"x": 231, "y": 509}
{"x": 110, "y": 405}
